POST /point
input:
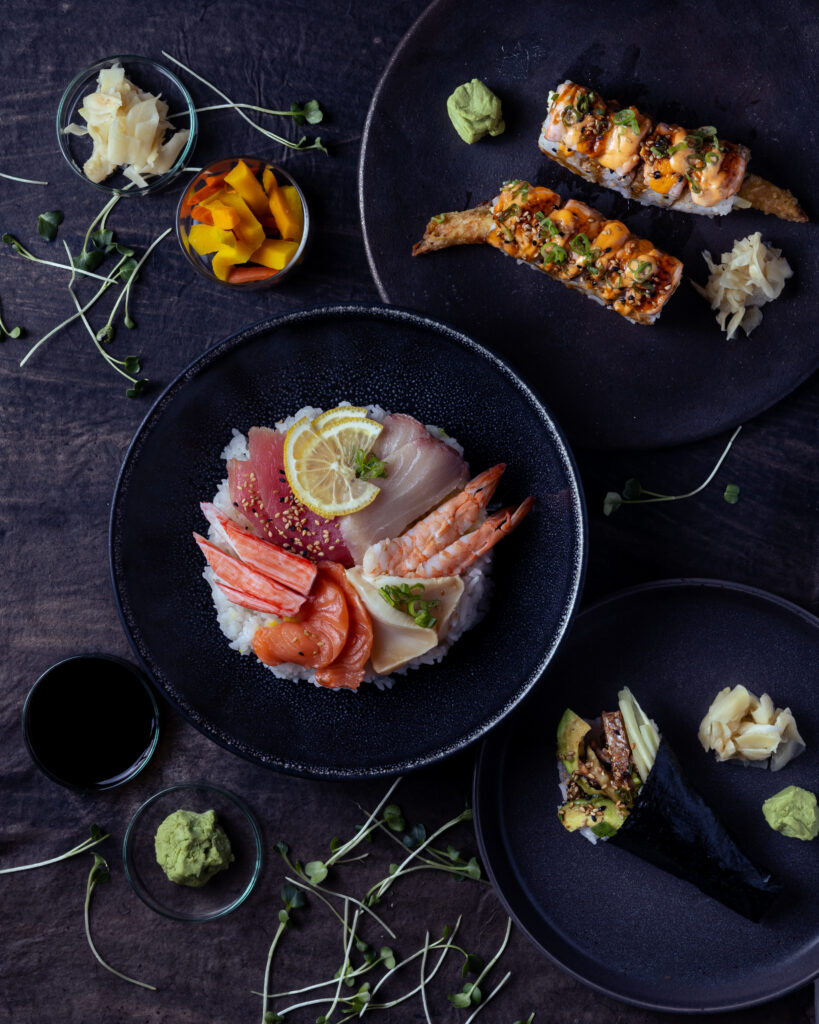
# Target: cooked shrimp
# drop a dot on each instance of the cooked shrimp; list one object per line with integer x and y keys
{"x": 458, "y": 556}
{"x": 444, "y": 525}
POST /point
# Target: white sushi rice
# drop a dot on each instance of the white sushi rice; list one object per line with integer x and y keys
{"x": 239, "y": 624}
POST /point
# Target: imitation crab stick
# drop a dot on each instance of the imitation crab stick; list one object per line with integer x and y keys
{"x": 239, "y": 597}
{"x": 284, "y": 567}
{"x": 250, "y": 581}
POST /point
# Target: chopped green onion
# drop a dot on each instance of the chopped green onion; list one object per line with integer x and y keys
{"x": 627, "y": 119}
{"x": 553, "y": 253}
{"x": 712, "y": 157}
{"x": 512, "y": 210}
{"x": 583, "y": 103}
{"x": 693, "y": 184}
{"x": 676, "y": 148}
{"x": 440, "y": 218}
{"x": 569, "y": 116}
{"x": 551, "y": 229}
{"x": 405, "y": 598}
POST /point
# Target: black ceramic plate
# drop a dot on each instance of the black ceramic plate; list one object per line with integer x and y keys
{"x": 320, "y": 357}
{"x": 610, "y": 383}
{"x": 615, "y": 922}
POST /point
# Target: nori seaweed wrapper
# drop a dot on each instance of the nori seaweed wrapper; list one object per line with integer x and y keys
{"x": 672, "y": 827}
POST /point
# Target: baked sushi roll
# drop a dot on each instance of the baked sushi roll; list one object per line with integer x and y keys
{"x": 622, "y": 784}
{"x": 656, "y": 164}
{"x": 570, "y": 242}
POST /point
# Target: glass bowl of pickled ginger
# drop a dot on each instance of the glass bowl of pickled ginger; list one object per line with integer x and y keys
{"x": 244, "y": 223}
{"x": 127, "y": 125}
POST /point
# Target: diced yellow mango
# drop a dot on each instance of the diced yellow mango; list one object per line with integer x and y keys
{"x": 268, "y": 180}
{"x": 203, "y": 239}
{"x": 288, "y": 225}
{"x": 247, "y": 185}
{"x": 249, "y": 232}
{"x": 291, "y": 197}
{"x": 222, "y": 263}
{"x": 223, "y": 216}
{"x": 275, "y": 253}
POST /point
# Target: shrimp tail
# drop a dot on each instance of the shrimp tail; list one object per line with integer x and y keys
{"x": 459, "y": 555}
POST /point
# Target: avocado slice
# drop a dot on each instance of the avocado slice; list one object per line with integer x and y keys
{"x": 600, "y": 815}
{"x": 571, "y": 732}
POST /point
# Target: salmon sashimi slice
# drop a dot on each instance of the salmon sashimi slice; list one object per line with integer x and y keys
{"x": 348, "y": 668}
{"x": 261, "y": 494}
{"x": 283, "y": 566}
{"x": 249, "y": 581}
{"x": 317, "y": 636}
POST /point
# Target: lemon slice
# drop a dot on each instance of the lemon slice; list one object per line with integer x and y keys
{"x": 319, "y": 464}
{"x": 341, "y": 412}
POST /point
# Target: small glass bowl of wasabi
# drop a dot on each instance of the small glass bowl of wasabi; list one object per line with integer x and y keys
{"x": 188, "y": 854}
{"x": 244, "y": 223}
{"x": 129, "y": 124}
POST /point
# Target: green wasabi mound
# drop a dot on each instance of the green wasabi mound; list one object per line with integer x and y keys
{"x": 191, "y": 848}
{"x": 793, "y": 812}
{"x": 475, "y": 110}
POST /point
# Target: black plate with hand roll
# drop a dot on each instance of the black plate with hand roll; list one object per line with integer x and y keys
{"x": 740, "y": 66}
{"x": 320, "y": 357}
{"x": 614, "y": 921}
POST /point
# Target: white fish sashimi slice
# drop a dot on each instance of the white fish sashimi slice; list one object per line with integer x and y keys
{"x": 399, "y": 428}
{"x": 420, "y": 474}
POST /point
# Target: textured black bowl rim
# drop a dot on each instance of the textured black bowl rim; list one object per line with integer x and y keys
{"x": 668, "y": 584}
{"x": 386, "y": 312}
{"x": 254, "y": 826}
{"x": 138, "y": 674}
{"x": 699, "y": 435}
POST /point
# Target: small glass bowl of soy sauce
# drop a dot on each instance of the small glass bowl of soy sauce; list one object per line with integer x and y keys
{"x": 91, "y": 722}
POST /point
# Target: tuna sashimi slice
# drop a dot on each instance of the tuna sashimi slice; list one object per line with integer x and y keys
{"x": 240, "y": 576}
{"x": 420, "y": 474}
{"x": 260, "y": 492}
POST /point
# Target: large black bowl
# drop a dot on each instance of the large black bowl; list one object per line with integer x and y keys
{"x": 319, "y": 357}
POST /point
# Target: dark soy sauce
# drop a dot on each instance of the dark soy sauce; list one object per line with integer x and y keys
{"x": 90, "y": 722}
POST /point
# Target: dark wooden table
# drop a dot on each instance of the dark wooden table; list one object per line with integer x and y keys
{"x": 66, "y": 426}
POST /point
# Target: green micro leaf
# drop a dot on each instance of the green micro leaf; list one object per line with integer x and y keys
{"x": 136, "y": 389}
{"x": 611, "y": 503}
{"x": 316, "y": 871}
{"x": 731, "y": 494}
{"x": 90, "y": 260}
{"x": 632, "y": 489}
{"x": 47, "y": 224}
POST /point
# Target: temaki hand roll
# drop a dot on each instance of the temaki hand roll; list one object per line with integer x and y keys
{"x": 623, "y": 784}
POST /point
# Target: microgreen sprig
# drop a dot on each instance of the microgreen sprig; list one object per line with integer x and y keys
{"x": 306, "y": 113}
{"x": 97, "y": 836}
{"x": 48, "y": 222}
{"x": 301, "y": 144}
{"x": 25, "y": 181}
{"x": 368, "y": 466}
{"x": 13, "y": 332}
{"x": 100, "y": 873}
{"x": 633, "y": 490}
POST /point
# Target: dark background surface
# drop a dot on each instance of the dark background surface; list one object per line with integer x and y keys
{"x": 66, "y": 426}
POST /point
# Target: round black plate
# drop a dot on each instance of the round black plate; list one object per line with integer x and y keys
{"x": 615, "y": 922}
{"x": 611, "y": 384}
{"x": 320, "y": 357}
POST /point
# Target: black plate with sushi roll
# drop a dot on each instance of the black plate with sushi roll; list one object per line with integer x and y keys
{"x": 681, "y": 936}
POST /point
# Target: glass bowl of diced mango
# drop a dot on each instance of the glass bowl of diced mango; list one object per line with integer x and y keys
{"x": 243, "y": 223}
